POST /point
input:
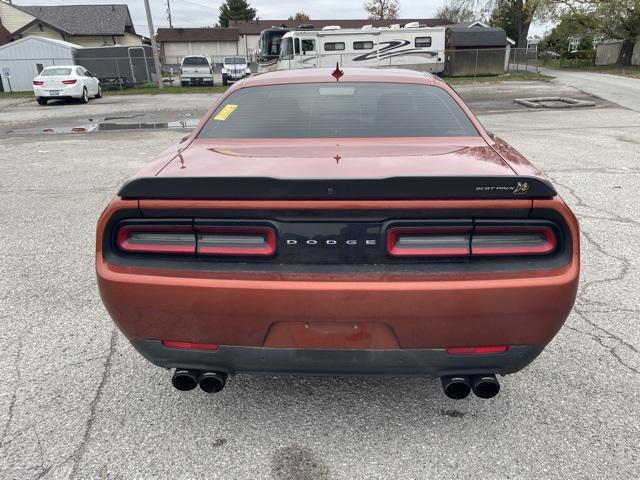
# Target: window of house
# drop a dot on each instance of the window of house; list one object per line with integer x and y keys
{"x": 423, "y": 42}
{"x": 362, "y": 45}
{"x": 333, "y": 46}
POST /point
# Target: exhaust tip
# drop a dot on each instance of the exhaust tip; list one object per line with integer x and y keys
{"x": 212, "y": 382}
{"x": 184, "y": 380}
{"x": 456, "y": 387}
{"x": 485, "y": 386}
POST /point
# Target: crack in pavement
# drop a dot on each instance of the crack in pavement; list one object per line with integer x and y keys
{"x": 625, "y": 268}
{"x": 80, "y": 450}
{"x": 12, "y": 402}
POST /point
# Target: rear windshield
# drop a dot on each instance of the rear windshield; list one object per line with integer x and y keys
{"x": 235, "y": 61}
{"x": 195, "y": 61}
{"x": 343, "y": 110}
{"x": 50, "y": 72}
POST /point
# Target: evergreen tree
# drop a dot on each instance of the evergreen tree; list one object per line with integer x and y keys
{"x": 235, "y": 10}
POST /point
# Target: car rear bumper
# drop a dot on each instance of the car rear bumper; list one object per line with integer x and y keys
{"x": 411, "y": 362}
{"x": 69, "y": 91}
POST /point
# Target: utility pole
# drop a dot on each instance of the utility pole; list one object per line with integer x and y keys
{"x": 154, "y": 46}
{"x": 169, "y": 13}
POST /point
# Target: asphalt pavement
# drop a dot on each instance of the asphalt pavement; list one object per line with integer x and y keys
{"x": 76, "y": 401}
{"x": 623, "y": 91}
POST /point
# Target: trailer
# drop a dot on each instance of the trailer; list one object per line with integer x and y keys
{"x": 118, "y": 66}
{"x": 413, "y": 47}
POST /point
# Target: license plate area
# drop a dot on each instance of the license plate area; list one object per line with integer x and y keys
{"x": 54, "y": 93}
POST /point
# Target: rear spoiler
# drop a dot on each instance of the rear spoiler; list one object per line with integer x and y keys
{"x": 393, "y": 188}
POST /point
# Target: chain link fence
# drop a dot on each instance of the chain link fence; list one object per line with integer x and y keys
{"x": 122, "y": 73}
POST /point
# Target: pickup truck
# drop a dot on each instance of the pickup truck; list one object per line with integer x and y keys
{"x": 196, "y": 70}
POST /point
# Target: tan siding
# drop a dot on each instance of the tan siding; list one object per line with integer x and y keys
{"x": 12, "y": 18}
{"x": 90, "y": 40}
{"x": 129, "y": 39}
{"x": 46, "y": 32}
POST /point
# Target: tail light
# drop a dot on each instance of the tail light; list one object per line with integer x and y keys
{"x": 69, "y": 82}
{"x": 156, "y": 239}
{"x": 478, "y": 241}
{"x": 497, "y": 241}
{"x": 429, "y": 241}
{"x": 253, "y": 241}
{"x": 38, "y": 82}
{"x": 477, "y": 350}
{"x": 203, "y": 240}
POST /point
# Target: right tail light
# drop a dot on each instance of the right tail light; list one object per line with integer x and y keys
{"x": 478, "y": 241}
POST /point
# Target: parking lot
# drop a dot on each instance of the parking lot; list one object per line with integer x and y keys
{"x": 76, "y": 401}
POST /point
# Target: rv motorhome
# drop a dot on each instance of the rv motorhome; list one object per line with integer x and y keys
{"x": 269, "y": 48}
{"x": 414, "y": 47}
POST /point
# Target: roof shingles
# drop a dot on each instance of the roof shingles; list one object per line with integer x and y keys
{"x": 85, "y": 19}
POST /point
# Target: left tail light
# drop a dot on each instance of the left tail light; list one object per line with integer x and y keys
{"x": 38, "y": 82}
{"x": 205, "y": 240}
{"x": 69, "y": 82}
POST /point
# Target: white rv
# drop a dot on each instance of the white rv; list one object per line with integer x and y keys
{"x": 414, "y": 47}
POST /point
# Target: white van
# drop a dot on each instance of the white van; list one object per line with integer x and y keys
{"x": 196, "y": 70}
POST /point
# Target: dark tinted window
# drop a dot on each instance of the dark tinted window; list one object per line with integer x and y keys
{"x": 308, "y": 45}
{"x": 423, "y": 42}
{"x": 235, "y": 60}
{"x": 362, "y": 45}
{"x": 52, "y": 72}
{"x": 195, "y": 61}
{"x": 344, "y": 110}
{"x": 332, "y": 46}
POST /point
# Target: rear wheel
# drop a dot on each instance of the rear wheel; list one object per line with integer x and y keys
{"x": 99, "y": 94}
{"x": 225, "y": 82}
{"x": 184, "y": 84}
{"x": 42, "y": 101}
{"x": 85, "y": 96}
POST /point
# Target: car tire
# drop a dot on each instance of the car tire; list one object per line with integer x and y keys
{"x": 85, "y": 96}
{"x": 42, "y": 101}
{"x": 99, "y": 94}
{"x": 184, "y": 84}
{"x": 225, "y": 82}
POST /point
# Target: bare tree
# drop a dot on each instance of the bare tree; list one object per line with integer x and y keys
{"x": 382, "y": 9}
{"x": 455, "y": 13}
{"x": 300, "y": 16}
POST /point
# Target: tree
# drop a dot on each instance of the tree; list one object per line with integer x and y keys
{"x": 382, "y": 9}
{"x": 504, "y": 17}
{"x": 235, "y": 10}
{"x": 455, "y": 13}
{"x": 300, "y": 16}
{"x": 521, "y": 12}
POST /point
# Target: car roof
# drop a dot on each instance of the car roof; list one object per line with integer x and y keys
{"x": 60, "y": 66}
{"x": 356, "y": 74}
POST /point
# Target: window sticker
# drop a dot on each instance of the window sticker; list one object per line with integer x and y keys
{"x": 225, "y": 112}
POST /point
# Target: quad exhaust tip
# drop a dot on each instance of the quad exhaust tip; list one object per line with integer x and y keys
{"x": 210, "y": 382}
{"x": 458, "y": 387}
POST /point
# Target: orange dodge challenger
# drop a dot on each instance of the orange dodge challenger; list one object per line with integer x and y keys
{"x": 339, "y": 222}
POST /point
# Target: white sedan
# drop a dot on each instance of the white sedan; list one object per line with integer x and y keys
{"x": 66, "y": 81}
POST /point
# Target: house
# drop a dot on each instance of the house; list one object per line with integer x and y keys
{"x": 249, "y": 30}
{"x": 84, "y": 25}
{"x": 175, "y": 43}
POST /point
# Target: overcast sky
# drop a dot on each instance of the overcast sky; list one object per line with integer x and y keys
{"x": 200, "y": 13}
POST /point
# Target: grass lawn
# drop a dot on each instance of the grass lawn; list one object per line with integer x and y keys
{"x": 149, "y": 89}
{"x": 516, "y": 76}
{"x": 586, "y": 66}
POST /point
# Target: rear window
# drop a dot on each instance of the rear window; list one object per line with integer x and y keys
{"x": 51, "y": 72}
{"x": 343, "y": 110}
{"x": 195, "y": 61}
